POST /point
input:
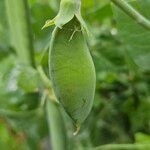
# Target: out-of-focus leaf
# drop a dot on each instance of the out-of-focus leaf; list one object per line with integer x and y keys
{"x": 7, "y": 140}
{"x": 142, "y": 138}
{"x": 28, "y": 79}
{"x": 139, "y": 116}
{"x": 41, "y": 37}
{"x": 14, "y": 92}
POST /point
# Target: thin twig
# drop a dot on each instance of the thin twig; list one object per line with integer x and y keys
{"x": 134, "y": 14}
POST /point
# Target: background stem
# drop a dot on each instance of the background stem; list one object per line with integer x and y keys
{"x": 123, "y": 147}
{"x": 20, "y": 30}
{"x": 56, "y": 126}
{"x": 129, "y": 10}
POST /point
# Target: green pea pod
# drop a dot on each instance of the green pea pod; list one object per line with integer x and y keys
{"x": 72, "y": 71}
{"x": 56, "y": 126}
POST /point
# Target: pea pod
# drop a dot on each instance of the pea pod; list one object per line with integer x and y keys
{"x": 72, "y": 70}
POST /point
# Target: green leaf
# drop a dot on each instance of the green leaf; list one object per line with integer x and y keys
{"x": 18, "y": 85}
{"x": 28, "y": 79}
{"x": 142, "y": 138}
{"x": 68, "y": 9}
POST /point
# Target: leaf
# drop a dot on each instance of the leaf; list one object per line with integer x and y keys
{"x": 41, "y": 40}
{"x": 68, "y": 9}
{"x": 28, "y": 79}
{"x": 142, "y": 138}
{"x": 49, "y": 23}
{"x": 8, "y": 141}
{"x": 66, "y": 12}
{"x": 15, "y": 92}
{"x": 31, "y": 123}
{"x": 135, "y": 37}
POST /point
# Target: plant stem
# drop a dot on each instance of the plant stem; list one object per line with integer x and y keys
{"x": 134, "y": 14}
{"x": 56, "y": 126}
{"x": 47, "y": 83}
{"x": 123, "y": 147}
{"x": 19, "y": 114}
{"x": 20, "y": 30}
{"x": 44, "y": 78}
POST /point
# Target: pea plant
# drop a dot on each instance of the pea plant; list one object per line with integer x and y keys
{"x": 79, "y": 82}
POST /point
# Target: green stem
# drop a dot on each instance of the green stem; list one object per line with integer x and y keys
{"x": 20, "y": 30}
{"x": 47, "y": 83}
{"x": 44, "y": 78}
{"x": 19, "y": 114}
{"x": 134, "y": 14}
{"x": 56, "y": 126}
{"x": 123, "y": 147}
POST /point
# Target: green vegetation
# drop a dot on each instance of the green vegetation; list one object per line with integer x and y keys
{"x": 119, "y": 42}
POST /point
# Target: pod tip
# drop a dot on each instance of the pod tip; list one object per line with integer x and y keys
{"x": 77, "y": 130}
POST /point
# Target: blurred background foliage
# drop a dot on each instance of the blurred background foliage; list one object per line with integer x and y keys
{"x": 121, "y": 53}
